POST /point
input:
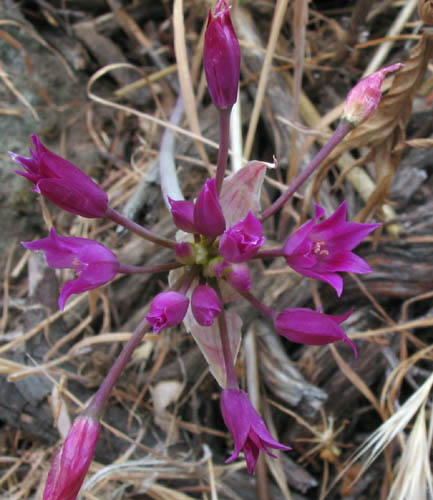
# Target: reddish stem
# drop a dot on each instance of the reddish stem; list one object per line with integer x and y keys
{"x": 224, "y": 126}
{"x": 127, "y": 269}
{"x": 343, "y": 128}
{"x": 96, "y": 406}
{"x": 137, "y": 229}
{"x": 229, "y": 363}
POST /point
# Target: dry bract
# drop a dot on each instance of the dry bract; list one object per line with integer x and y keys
{"x": 425, "y": 9}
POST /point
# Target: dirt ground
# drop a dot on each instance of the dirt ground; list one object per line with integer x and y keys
{"x": 99, "y": 82}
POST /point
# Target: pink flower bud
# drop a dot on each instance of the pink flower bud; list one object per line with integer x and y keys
{"x": 183, "y": 214}
{"x": 205, "y": 305}
{"x": 167, "y": 309}
{"x": 221, "y": 57}
{"x": 72, "y": 461}
{"x": 363, "y": 100}
{"x": 94, "y": 264}
{"x": 247, "y": 427}
{"x": 240, "y": 242}
{"x": 62, "y": 182}
{"x": 306, "y": 326}
{"x": 238, "y": 275}
{"x": 185, "y": 253}
{"x": 208, "y": 215}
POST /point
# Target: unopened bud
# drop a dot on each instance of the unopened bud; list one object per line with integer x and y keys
{"x": 72, "y": 461}
{"x": 363, "y": 100}
{"x": 221, "y": 57}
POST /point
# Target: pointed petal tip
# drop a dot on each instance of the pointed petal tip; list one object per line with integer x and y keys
{"x": 352, "y": 345}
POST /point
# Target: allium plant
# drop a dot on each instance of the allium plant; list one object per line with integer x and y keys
{"x": 219, "y": 233}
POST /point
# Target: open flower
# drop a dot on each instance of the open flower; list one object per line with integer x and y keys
{"x": 72, "y": 461}
{"x": 93, "y": 263}
{"x": 62, "y": 182}
{"x": 242, "y": 240}
{"x": 306, "y": 326}
{"x": 221, "y": 57}
{"x": 247, "y": 427}
{"x": 167, "y": 309}
{"x": 321, "y": 250}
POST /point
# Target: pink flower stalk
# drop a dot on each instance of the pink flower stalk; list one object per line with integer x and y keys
{"x": 205, "y": 305}
{"x": 363, "y": 100}
{"x": 221, "y": 57}
{"x": 167, "y": 309}
{"x": 306, "y": 326}
{"x": 72, "y": 461}
{"x": 93, "y": 263}
{"x": 62, "y": 182}
{"x": 240, "y": 242}
{"x": 183, "y": 214}
{"x": 208, "y": 215}
{"x": 321, "y": 250}
{"x": 248, "y": 429}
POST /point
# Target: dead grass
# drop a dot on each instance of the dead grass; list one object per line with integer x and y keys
{"x": 163, "y": 436}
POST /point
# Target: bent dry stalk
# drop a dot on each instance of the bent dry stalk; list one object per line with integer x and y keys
{"x": 219, "y": 234}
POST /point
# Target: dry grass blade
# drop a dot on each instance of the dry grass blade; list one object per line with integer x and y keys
{"x": 128, "y": 109}
{"x": 8, "y": 83}
{"x": 277, "y": 22}
{"x": 356, "y": 380}
{"x": 395, "y": 29}
{"x": 414, "y": 479}
{"x": 384, "y": 434}
{"x": 185, "y": 75}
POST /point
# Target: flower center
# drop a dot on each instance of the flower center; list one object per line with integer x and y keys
{"x": 78, "y": 266}
{"x": 319, "y": 249}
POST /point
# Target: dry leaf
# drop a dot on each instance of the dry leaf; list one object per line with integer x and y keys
{"x": 425, "y": 10}
{"x": 163, "y": 394}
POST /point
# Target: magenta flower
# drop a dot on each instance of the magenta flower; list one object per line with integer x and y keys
{"x": 248, "y": 429}
{"x": 62, "y": 182}
{"x": 205, "y": 305}
{"x": 363, "y": 100}
{"x": 93, "y": 263}
{"x": 208, "y": 215}
{"x": 321, "y": 250}
{"x": 306, "y": 326}
{"x": 238, "y": 275}
{"x": 184, "y": 253}
{"x": 72, "y": 461}
{"x": 167, "y": 309}
{"x": 183, "y": 214}
{"x": 240, "y": 242}
{"x": 221, "y": 57}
